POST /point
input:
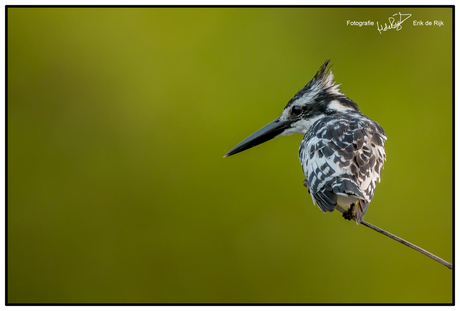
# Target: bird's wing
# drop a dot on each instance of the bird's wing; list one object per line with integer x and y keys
{"x": 342, "y": 156}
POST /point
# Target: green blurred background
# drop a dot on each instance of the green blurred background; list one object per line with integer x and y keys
{"x": 118, "y": 119}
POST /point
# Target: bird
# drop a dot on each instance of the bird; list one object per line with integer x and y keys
{"x": 342, "y": 152}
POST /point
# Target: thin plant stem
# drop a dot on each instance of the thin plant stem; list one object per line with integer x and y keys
{"x": 402, "y": 241}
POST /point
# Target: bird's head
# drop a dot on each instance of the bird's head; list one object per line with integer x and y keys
{"x": 319, "y": 98}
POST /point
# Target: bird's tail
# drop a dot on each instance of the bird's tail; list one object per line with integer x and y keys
{"x": 361, "y": 210}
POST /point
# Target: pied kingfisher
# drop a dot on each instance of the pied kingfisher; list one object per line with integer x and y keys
{"x": 342, "y": 152}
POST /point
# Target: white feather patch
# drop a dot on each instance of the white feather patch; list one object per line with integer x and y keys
{"x": 338, "y": 106}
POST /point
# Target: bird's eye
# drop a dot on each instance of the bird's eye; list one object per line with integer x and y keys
{"x": 296, "y": 110}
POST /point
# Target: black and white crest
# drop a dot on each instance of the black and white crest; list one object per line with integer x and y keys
{"x": 324, "y": 80}
{"x": 315, "y": 98}
{"x": 321, "y": 85}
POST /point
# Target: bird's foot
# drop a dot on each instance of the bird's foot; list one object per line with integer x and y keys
{"x": 349, "y": 214}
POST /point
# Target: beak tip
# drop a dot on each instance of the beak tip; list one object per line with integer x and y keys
{"x": 271, "y": 130}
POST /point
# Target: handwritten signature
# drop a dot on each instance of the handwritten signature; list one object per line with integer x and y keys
{"x": 393, "y": 23}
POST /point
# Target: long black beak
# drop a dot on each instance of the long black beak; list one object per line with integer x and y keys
{"x": 266, "y": 133}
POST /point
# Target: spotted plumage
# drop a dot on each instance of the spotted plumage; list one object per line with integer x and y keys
{"x": 342, "y": 157}
{"x": 342, "y": 152}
